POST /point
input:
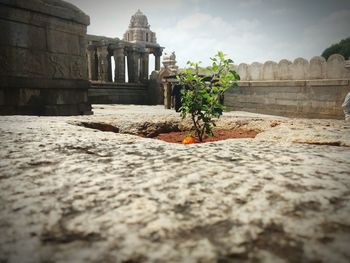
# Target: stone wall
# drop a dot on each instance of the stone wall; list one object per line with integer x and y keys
{"x": 304, "y": 98}
{"x": 309, "y": 89}
{"x": 43, "y": 58}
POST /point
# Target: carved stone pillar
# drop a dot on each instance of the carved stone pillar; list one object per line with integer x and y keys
{"x": 144, "y": 66}
{"x": 119, "y": 70}
{"x": 157, "y": 63}
{"x": 157, "y": 55}
{"x": 133, "y": 66}
{"x": 102, "y": 54}
{"x": 91, "y": 62}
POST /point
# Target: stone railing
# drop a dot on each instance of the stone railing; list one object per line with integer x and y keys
{"x": 299, "y": 69}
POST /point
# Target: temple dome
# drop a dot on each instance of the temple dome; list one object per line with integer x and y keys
{"x": 139, "y": 20}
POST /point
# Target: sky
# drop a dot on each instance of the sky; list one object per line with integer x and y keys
{"x": 246, "y": 30}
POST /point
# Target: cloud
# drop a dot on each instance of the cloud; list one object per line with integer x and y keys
{"x": 193, "y": 21}
{"x": 330, "y": 29}
{"x": 198, "y": 36}
{"x": 250, "y": 3}
{"x": 326, "y": 31}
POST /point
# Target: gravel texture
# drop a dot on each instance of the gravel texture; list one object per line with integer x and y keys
{"x": 69, "y": 193}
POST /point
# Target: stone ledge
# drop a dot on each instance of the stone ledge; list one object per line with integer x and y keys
{"x": 112, "y": 85}
{"x": 24, "y": 17}
{"x": 42, "y": 83}
{"x": 328, "y": 82}
{"x": 294, "y": 83}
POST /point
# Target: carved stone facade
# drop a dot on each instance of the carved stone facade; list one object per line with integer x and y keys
{"x": 43, "y": 62}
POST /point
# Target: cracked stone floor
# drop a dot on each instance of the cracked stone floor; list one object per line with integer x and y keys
{"x": 74, "y": 194}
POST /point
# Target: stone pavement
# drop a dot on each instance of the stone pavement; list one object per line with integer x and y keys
{"x": 74, "y": 194}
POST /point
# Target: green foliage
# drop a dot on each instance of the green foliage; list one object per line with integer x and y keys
{"x": 342, "y": 48}
{"x": 201, "y": 94}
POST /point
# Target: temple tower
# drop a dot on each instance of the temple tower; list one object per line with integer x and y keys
{"x": 139, "y": 30}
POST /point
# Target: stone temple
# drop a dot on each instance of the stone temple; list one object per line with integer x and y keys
{"x": 139, "y": 30}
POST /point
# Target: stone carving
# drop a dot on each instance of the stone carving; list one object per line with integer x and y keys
{"x": 57, "y": 68}
{"x": 285, "y": 69}
{"x": 169, "y": 62}
{"x": 76, "y": 70}
{"x": 102, "y": 54}
{"x": 4, "y": 65}
{"x": 300, "y": 69}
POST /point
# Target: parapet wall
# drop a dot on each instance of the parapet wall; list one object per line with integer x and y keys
{"x": 299, "y": 69}
{"x": 306, "y": 89}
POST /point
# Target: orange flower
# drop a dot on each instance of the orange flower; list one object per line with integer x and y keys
{"x": 189, "y": 140}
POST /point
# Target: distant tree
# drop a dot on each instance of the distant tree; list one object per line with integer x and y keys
{"x": 342, "y": 48}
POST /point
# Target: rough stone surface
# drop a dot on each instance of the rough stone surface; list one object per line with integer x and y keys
{"x": 74, "y": 194}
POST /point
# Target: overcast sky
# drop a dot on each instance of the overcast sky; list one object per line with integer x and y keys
{"x": 246, "y": 30}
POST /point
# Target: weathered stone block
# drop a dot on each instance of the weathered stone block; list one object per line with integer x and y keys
{"x": 61, "y": 42}
{"x": 22, "y": 62}
{"x": 43, "y": 61}
{"x": 22, "y": 35}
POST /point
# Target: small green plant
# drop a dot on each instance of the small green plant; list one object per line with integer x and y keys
{"x": 202, "y": 93}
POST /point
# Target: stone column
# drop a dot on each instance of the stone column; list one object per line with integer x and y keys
{"x": 91, "y": 63}
{"x": 167, "y": 95}
{"x": 133, "y": 66}
{"x": 157, "y": 63}
{"x": 144, "y": 66}
{"x": 102, "y": 54}
{"x": 119, "y": 71}
{"x": 109, "y": 69}
{"x": 157, "y": 55}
